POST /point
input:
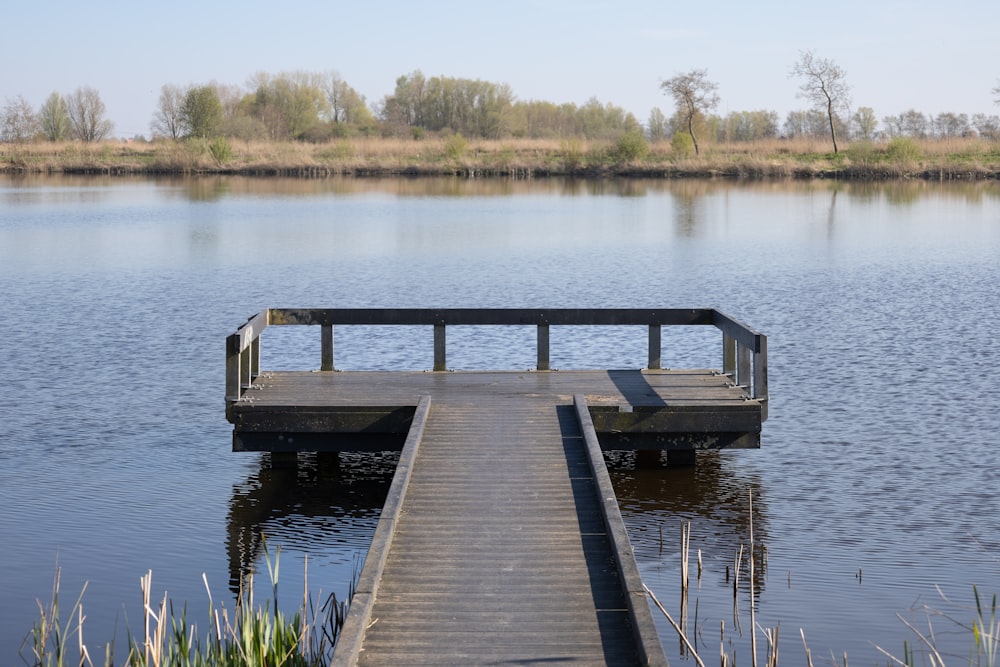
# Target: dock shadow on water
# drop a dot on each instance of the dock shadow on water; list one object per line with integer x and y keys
{"x": 324, "y": 504}
{"x": 704, "y": 581}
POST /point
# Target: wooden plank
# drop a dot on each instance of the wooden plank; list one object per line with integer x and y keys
{"x": 633, "y": 387}
{"x": 647, "y": 639}
{"x": 359, "y": 615}
{"x": 496, "y": 316}
{"x": 324, "y": 419}
{"x": 742, "y": 417}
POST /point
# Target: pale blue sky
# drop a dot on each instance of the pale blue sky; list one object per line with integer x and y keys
{"x": 931, "y": 56}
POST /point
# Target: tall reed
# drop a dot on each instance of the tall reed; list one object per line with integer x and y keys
{"x": 984, "y": 628}
{"x": 249, "y": 635}
{"x": 49, "y": 638}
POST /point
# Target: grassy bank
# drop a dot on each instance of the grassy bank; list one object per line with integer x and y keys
{"x": 965, "y": 158}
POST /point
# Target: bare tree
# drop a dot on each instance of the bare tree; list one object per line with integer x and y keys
{"x": 988, "y": 127}
{"x": 86, "y": 115}
{"x": 18, "y": 122}
{"x": 168, "y": 120}
{"x": 825, "y": 85}
{"x": 996, "y": 91}
{"x": 949, "y": 124}
{"x": 913, "y": 123}
{"x": 694, "y": 95}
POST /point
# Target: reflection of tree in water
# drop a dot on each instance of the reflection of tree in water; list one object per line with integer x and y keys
{"x": 689, "y": 204}
{"x": 329, "y": 503}
{"x": 655, "y": 503}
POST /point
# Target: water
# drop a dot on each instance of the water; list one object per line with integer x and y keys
{"x": 874, "y": 493}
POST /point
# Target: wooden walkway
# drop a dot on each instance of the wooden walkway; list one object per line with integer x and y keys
{"x": 500, "y": 540}
{"x": 499, "y": 551}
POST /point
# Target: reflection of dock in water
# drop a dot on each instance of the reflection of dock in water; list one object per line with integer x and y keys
{"x": 656, "y": 502}
{"x": 332, "y": 497}
{"x": 500, "y": 538}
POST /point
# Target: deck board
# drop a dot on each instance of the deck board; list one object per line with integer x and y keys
{"x": 638, "y": 388}
{"x": 649, "y": 409}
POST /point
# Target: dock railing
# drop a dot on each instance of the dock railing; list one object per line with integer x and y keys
{"x": 744, "y": 351}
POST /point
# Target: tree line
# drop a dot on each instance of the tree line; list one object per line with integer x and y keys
{"x": 824, "y": 85}
{"x": 319, "y": 107}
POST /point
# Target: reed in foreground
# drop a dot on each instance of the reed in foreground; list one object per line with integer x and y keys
{"x": 250, "y": 635}
{"x": 923, "y": 649}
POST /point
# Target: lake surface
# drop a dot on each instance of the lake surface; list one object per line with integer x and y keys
{"x": 876, "y": 491}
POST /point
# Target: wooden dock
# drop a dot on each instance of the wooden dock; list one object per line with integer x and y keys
{"x": 500, "y": 539}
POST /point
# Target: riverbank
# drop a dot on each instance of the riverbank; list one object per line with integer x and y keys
{"x": 950, "y": 159}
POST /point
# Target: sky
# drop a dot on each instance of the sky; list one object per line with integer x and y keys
{"x": 914, "y": 54}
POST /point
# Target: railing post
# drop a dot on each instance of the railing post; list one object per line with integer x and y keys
{"x": 543, "y": 347}
{"x": 760, "y": 390}
{"x": 233, "y": 388}
{"x": 655, "y": 350}
{"x": 254, "y": 358}
{"x": 743, "y": 366}
{"x": 326, "y": 345}
{"x": 439, "y": 348}
{"x": 245, "y": 377}
{"x": 729, "y": 355}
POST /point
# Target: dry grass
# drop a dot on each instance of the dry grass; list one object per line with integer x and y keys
{"x": 773, "y": 158}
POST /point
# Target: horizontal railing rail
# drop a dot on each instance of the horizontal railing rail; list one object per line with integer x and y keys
{"x": 744, "y": 356}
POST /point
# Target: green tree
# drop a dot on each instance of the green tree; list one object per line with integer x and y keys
{"x": 471, "y": 107}
{"x": 405, "y": 107}
{"x": 865, "y": 123}
{"x": 346, "y": 105}
{"x": 824, "y": 84}
{"x": 87, "y": 115}
{"x": 54, "y": 118}
{"x": 288, "y": 104}
{"x": 201, "y": 112}
{"x": 694, "y": 95}
{"x": 749, "y": 125}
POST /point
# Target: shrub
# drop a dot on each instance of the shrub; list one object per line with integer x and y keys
{"x": 862, "y": 153}
{"x": 683, "y": 144}
{"x": 454, "y": 146}
{"x": 572, "y": 153}
{"x": 341, "y": 150}
{"x": 632, "y": 146}
{"x": 903, "y": 150}
{"x": 220, "y": 150}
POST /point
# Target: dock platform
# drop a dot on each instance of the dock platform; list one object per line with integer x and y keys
{"x": 500, "y": 539}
